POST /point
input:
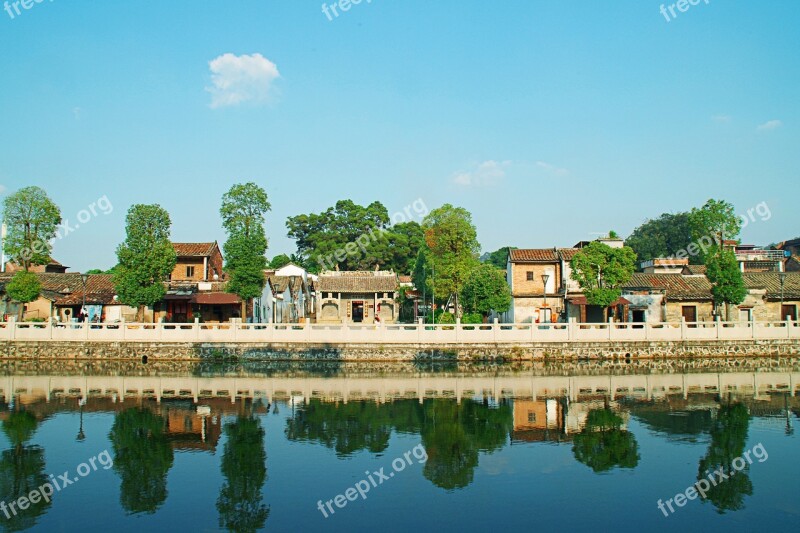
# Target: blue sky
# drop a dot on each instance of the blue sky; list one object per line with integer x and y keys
{"x": 550, "y": 121}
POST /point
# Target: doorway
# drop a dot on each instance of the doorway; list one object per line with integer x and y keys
{"x": 790, "y": 311}
{"x": 358, "y": 311}
{"x": 689, "y": 313}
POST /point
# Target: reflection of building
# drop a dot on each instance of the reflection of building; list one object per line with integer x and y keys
{"x": 539, "y": 420}
{"x": 191, "y": 428}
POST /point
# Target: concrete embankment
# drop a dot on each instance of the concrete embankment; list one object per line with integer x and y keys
{"x": 397, "y": 352}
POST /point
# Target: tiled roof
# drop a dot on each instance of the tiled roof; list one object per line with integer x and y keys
{"x": 771, "y": 282}
{"x": 567, "y": 253}
{"x": 193, "y": 249}
{"x": 531, "y": 255}
{"x": 69, "y": 288}
{"x": 358, "y": 281}
{"x": 404, "y": 279}
{"x": 694, "y": 270}
{"x": 676, "y": 286}
{"x": 216, "y": 298}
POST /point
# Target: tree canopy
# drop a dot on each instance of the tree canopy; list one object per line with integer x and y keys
{"x": 486, "y": 290}
{"x": 601, "y": 269}
{"x": 243, "y": 209}
{"x": 451, "y": 249}
{"x": 664, "y": 236}
{"x": 146, "y": 257}
{"x": 716, "y": 221}
{"x": 280, "y": 261}
{"x": 354, "y": 237}
{"x": 727, "y": 283}
{"x": 24, "y": 287}
{"x": 32, "y": 221}
{"x": 499, "y": 258}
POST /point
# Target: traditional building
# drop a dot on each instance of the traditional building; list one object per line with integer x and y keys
{"x": 357, "y": 297}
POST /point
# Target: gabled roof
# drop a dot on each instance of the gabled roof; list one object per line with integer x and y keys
{"x": 534, "y": 255}
{"x": 194, "y": 249}
{"x": 694, "y": 270}
{"x": 675, "y": 286}
{"x": 771, "y": 282}
{"x": 567, "y": 253}
{"x": 358, "y": 281}
{"x": 67, "y": 289}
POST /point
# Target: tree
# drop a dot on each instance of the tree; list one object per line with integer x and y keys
{"x": 727, "y": 283}
{"x": 453, "y": 249}
{"x": 24, "y": 287}
{"x": 602, "y": 445}
{"x": 142, "y": 457}
{"x": 664, "y": 236}
{"x": 244, "y": 466}
{"x": 600, "y": 269}
{"x": 486, "y": 290}
{"x": 499, "y": 258}
{"x": 32, "y": 220}
{"x": 279, "y": 261}
{"x": 242, "y": 211}
{"x": 146, "y": 257}
{"x": 714, "y": 223}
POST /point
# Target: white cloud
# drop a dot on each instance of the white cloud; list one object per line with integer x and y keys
{"x": 552, "y": 169}
{"x": 770, "y": 125}
{"x": 721, "y": 118}
{"x": 239, "y": 79}
{"x": 485, "y": 174}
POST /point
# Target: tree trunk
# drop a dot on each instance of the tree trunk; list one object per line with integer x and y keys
{"x": 244, "y": 310}
{"x": 140, "y": 314}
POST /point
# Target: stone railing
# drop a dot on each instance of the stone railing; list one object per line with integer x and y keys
{"x": 496, "y": 333}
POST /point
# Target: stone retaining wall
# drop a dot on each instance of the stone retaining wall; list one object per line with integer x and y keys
{"x": 17, "y": 350}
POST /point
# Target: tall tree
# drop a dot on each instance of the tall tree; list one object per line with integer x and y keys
{"x": 664, "y": 236}
{"x": 600, "y": 269}
{"x": 452, "y": 243}
{"x": 32, "y": 220}
{"x": 243, "y": 209}
{"x": 23, "y": 288}
{"x": 486, "y": 290}
{"x": 714, "y": 223}
{"x": 727, "y": 283}
{"x": 146, "y": 257}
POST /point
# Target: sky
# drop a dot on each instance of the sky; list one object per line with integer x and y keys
{"x": 551, "y": 122}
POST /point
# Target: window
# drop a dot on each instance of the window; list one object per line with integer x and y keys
{"x": 790, "y": 311}
{"x": 529, "y": 276}
{"x": 531, "y": 416}
{"x": 189, "y": 271}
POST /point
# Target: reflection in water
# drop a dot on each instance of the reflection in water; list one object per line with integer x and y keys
{"x": 603, "y": 445}
{"x": 142, "y": 458}
{"x": 244, "y": 466}
{"x": 21, "y": 471}
{"x": 728, "y": 439}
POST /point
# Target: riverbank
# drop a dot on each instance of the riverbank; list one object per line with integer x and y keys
{"x": 355, "y": 352}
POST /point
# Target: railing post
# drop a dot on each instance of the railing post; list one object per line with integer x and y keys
{"x": 610, "y": 326}
{"x": 420, "y": 328}
{"x": 718, "y": 326}
{"x": 571, "y": 328}
{"x": 458, "y": 327}
{"x": 788, "y": 327}
{"x": 196, "y": 328}
{"x": 12, "y": 327}
{"x": 683, "y": 328}
{"x": 495, "y": 327}
{"x": 753, "y": 328}
{"x": 307, "y": 326}
{"x": 50, "y": 328}
{"x": 86, "y": 327}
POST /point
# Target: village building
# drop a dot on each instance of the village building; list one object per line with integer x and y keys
{"x": 356, "y": 297}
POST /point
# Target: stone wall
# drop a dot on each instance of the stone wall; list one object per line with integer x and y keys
{"x": 17, "y": 350}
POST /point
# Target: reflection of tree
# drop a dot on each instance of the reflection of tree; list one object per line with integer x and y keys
{"x": 728, "y": 437}
{"x": 453, "y": 434}
{"x": 21, "y": 471}
{"x": 602, "y": 445}
{"x": 142, "y": 458}
{"x": 244, "y": 465}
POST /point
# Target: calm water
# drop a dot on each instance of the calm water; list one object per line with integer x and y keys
{"x": 501, "y": 448}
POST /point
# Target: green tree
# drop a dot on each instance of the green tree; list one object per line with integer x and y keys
{"x": 727, "y": 283}
{"x": 23, "y": 288}
{"x": 603, "y": 445}
{"x": 142, "y": 458}
{"x": 243, "y": 209}
{"x": 244, "y": 466}
{"x": 728, "y": 438}
{"x": 714, "y": 223}
{"x": 22, "y": 469}
{"x": 280, "y": 261}
{"x": 453, "y": 249}
{"x": 32, "y": 220}
{"x": 600, "y": 269}
{"x": 146, "y": 257}
{"x": 499, "y": 258}
{"x": 664, "y": 236}
{"x": 486, "y": 290}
